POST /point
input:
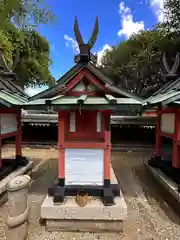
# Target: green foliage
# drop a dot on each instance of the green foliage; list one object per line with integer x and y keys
{"x": 24, "y": 48}
{"x": 136, "y": 64}
{"x": 7, "y": 46}
{"x": 34, "y": 61}
{"x": 172, "y": 16}
{"x": 24, "y": 13}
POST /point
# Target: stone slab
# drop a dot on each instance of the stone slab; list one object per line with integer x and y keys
{"x": 164, "y": 180}
{"x": 95, "y": 209}
{"x": 85, "y": 226}
{"x": 17, "y": 172}
{"x": 93, "y": 217}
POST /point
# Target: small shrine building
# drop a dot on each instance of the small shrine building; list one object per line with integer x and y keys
{"x": 11, "y": 97}
{"x": 166, "y": 101}
{"x": 168, "y": 118}
{"x": 84, "y": 99}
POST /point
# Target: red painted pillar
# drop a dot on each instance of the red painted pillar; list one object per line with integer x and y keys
{"x": 158, "y": 150}
{"x": 0, "y": 153}
{"x": 175, "y": 155}
{"x": 61, "y": 157}
{"x": 107, "y": 150}
{"x": 19, "y": 136}
{"x": 176, "y": 151}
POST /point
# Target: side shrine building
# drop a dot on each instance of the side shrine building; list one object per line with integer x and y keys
{"x": 166, "y": 101}
{"x": 84, "y": 99}
{"x": 11, "y": 98}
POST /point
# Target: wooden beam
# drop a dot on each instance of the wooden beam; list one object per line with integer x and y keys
{"x": 75, "y": 81}
{"x": 95, "y": 81}
{"x": 61, "y": 157}
{"x": 86, "y": 92}
{"x": 18, "y": 136}
{"x": 79, "y": 144}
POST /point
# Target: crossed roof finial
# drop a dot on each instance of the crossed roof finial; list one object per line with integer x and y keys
{"x": 85, "y": 48}
{"x": 173, "y": 71}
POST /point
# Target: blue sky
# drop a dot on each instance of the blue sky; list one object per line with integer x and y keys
{"x": 117, "y": 20}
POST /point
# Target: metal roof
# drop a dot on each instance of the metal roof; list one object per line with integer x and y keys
{"x": 10, "y": 99}
{"x": 7, "y": 83}
{"x": 172, "y": 85}
{"x": 124, "y": 92}
{"x": 166, "y": 97}
{"x": 62, "y": 101}
{"x": 168, "y": 94}
{"x": 60, "y": 83}
{"x": 66, "y": 78}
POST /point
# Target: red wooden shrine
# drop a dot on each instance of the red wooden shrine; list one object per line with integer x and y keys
{"x": 84, "y": 99}
{"x": 85, "y": 135}
{"x": 166, "y": 100}
{"x": 168, "y": 125}
{"x": 11, "y": 98}
{"x": 82, "y": 127}
{"x": 11, "y": 127}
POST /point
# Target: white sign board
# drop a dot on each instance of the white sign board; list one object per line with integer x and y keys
{"x": 168, "y": 123}
{"x": 84, "y": 167}
{"x": 8, "y": 123}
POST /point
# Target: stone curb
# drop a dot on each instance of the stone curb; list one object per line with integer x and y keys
{"x": 37, "y": 166}
{"x": 167, "y": 183}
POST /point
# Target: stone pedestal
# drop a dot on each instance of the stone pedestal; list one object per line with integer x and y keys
{"x": 3, "y": 183}
{"x": 18, "y": 210}
{"x": 94, "y": 217}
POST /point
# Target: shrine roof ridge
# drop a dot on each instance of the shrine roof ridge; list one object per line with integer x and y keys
{"x": 66, "y": 78}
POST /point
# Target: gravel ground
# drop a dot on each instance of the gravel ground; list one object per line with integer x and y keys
{"x": 149, "y": 216}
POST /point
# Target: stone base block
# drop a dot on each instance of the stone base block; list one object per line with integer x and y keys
{"x": 85, "y": 226}
{"x": 94, "y": 217}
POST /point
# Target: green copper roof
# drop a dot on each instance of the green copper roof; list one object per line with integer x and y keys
{"x": 168, "y": 94}
{"x": 66, "y": 78}
{"x": 109, "y": 97}
{"x": 163, "y": 97}
{"x": 84, "y": 99}
{"x": 65, "y": 102}
{"x": 8, "y": 84}
{"x": 9, "y": 99}
{"x": 171, "y": 85}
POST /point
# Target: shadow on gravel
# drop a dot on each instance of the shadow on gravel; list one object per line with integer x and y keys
{"x": 44, "y": 177}
{"x": 155, "y": 192}
{"x": 35, "y": 160}
{"x": 123, "y": 164}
